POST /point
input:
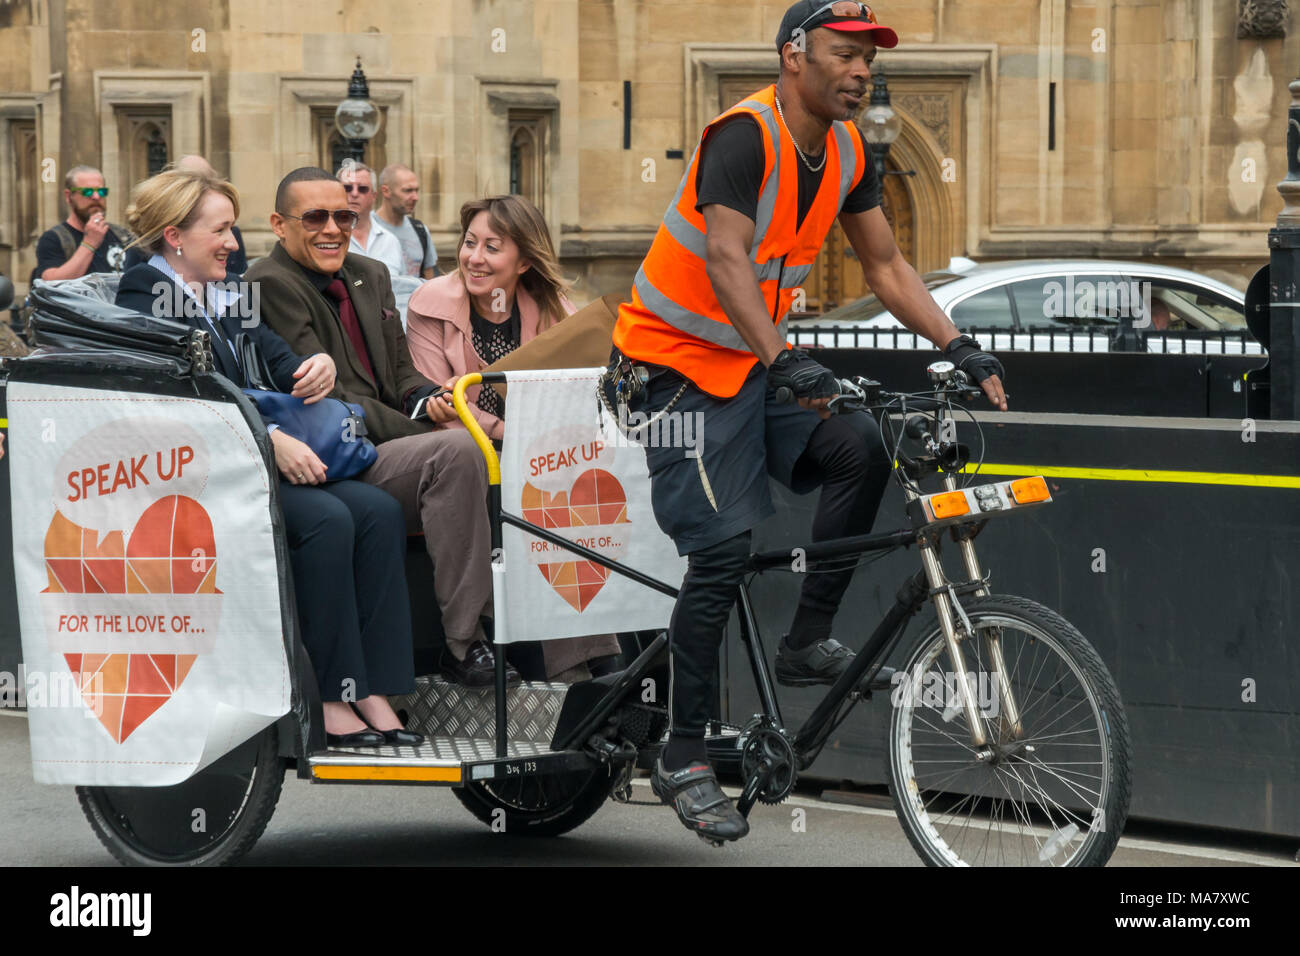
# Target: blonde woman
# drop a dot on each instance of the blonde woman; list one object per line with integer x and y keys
{"x": 346, "y": 539}
{"x": 506, "y": 290}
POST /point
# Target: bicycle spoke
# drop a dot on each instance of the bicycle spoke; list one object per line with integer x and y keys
{"x": 1037, "y": 801}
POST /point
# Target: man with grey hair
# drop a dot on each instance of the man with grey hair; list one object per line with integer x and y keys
{"x": 399, "y": 191}
{"x": 86, "y": 241}
{"x": 237, "y": 261}
{"x": 368, "y": 237}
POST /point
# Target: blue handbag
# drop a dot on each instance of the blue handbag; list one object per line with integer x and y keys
{"x": 335, "y": 430}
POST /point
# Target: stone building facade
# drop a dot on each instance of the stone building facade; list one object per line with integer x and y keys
{"x": 1145, "y": 129}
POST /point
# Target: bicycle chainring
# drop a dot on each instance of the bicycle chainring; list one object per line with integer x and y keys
{"x": 772, "y": 745}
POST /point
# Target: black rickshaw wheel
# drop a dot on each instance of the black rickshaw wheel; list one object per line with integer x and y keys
{"x": 211, "y": 819}
{"x": 540, "y": 804}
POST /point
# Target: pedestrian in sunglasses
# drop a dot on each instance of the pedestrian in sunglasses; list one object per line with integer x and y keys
{"x": 369, "y": 238}
{"x": 86, "y": 241}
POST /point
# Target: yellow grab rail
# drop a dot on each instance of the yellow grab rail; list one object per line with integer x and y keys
{"x": 470, "y": 422}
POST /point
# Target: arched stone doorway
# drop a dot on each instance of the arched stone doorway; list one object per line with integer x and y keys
{"x": 922, "y": 210}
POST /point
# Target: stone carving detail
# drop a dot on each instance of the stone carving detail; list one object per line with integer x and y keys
{"x": 1261, "y": 18}
{"x": 931, "y": 110}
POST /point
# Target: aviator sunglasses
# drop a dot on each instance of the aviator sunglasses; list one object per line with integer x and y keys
{"x": 315, "y": 219}
{"x": 843, "y": 8}
{"x": 91, "y": 192}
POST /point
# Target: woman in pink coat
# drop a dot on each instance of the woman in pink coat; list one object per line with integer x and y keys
{"x": 507, "y": 289}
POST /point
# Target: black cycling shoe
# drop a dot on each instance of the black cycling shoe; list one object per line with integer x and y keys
{"x": 821, "y": 662}
{"x": 700, "y": 803}
{"x": 478, "y": 669}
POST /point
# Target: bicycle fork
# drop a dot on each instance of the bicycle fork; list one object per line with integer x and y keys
{"x": 956, "y": 626}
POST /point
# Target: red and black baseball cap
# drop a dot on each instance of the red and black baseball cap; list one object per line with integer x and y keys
{"x": 849, "y": 16}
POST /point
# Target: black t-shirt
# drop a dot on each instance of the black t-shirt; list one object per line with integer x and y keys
{"x": 731, "y": 172}
{"x": 109, "y": 257}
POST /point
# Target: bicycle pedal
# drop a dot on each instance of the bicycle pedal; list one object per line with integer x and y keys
{"x": 711, "y": 841}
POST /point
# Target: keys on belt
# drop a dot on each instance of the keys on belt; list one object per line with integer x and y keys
{"x": 626, "y": 381}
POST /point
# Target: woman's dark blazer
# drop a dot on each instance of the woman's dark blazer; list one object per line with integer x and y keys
{"x": 136, "y": 291}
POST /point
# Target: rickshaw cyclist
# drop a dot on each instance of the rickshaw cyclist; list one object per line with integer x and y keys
{"x": 706, "y": 321}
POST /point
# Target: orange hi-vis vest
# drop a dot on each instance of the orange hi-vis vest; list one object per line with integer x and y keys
{"x": 674, "y": 318}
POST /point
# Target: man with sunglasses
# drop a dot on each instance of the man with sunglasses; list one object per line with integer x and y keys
{"x": 86, "y": 241}
{"x": 707, "y": 321}
{"x": 368, "y": 237}
{"x": 319, "y": 297}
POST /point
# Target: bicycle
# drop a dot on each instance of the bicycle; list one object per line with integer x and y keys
{"x": 984, "y": 744}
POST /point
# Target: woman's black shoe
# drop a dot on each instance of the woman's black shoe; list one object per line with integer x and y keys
{"x": 402, "y": 738}
{"x": 478, "y": 669}
{"x": 609, "y": 664}
{"x": 360, "y": 738}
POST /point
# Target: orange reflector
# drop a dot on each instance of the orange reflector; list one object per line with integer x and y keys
{"x": 1028, "y": 490}
{"x": 949, "y": 505}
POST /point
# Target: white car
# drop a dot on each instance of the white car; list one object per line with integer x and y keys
{"x": 1072, "y": 305}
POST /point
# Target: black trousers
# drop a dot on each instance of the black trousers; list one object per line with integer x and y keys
{"x": 347, "y": 544}
{"x": 846, "y": 457}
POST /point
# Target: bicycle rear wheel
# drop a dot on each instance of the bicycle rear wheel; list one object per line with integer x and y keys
{"x": 1055, "y": 791}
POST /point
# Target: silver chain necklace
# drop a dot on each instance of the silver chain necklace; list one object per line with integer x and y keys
{"x": 795, "y": 143}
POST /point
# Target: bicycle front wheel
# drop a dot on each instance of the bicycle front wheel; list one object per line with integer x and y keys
{"x": 1050, "y": 788}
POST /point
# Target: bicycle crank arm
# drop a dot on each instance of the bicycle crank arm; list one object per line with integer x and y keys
{"x": 753, "y": 787}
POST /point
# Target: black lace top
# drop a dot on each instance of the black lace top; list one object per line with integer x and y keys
{"x": 493, "y": 341}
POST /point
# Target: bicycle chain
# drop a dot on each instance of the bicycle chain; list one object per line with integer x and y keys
{"x": 621, "y": 792}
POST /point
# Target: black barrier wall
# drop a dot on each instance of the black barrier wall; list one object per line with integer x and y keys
{"x": 1174, "y": 546}
{"x": 1197, "y": 597}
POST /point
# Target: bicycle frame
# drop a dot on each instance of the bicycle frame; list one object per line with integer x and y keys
{"x": 930, "y": 582}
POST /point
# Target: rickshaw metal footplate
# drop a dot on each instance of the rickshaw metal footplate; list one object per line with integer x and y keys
{"x": 458, "y": 724}
{"x": 439, "y": 708}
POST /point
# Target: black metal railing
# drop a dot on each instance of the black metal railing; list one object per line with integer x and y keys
{"x": 1096, "y": 339}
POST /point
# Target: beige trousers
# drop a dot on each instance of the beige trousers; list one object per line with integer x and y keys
{"x": 440, "y": 479}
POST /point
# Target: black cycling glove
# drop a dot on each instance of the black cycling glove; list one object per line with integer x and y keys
{"x": 795, "y": 371}
{"x": 966, "y": 354}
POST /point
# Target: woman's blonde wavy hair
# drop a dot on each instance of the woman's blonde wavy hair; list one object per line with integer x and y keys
{"x": 516, "y": 217}
{"x": 171, "y": 198}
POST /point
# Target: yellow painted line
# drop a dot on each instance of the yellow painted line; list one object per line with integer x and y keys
{"x": 381, "y": 772}
{"x": 1142, "y": 474}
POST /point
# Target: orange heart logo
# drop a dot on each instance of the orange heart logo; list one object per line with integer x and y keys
{"x": 595, "y": 498}
{"x": 171, "y": 550}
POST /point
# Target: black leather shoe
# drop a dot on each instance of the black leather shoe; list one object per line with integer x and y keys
{"x": 360, "y": 738}
{"x": 402, "y": 738}
{"x": 603, "y": 666}
{"x": 478, "y": 669}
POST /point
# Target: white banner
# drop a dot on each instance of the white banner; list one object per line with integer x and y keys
{"x": 561, "y": 470}
{"x": 147, "y": 588}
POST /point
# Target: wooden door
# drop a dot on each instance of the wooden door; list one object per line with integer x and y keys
{"x": 836, "y": 277}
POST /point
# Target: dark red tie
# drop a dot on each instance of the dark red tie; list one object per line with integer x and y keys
{"x": 338, "y": 291}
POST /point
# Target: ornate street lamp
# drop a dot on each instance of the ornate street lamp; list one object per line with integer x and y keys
{"x": 881, "y": 125}
{"x": 357, "y": 119}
